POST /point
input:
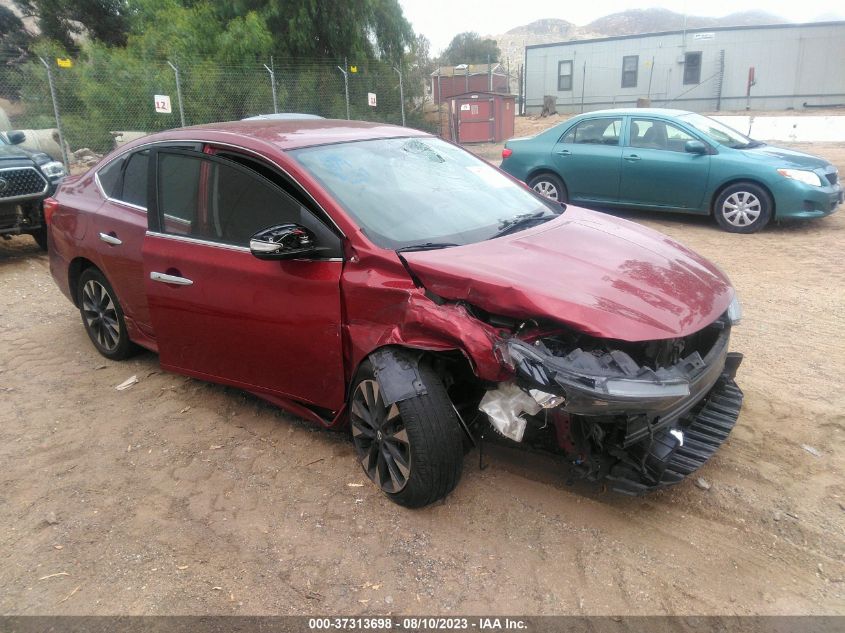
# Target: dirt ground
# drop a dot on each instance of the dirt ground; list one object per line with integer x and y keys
{"x": 181, "y": 497}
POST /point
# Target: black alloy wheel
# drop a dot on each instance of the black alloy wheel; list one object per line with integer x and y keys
{"x": 381, "y": 439}
{"x": 102, "y": 316}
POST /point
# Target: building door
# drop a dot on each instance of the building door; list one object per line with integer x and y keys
{"x": 476, "y": 120}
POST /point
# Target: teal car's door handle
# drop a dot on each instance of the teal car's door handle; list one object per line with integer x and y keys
{"x": 563, "y": 152}
{"x": 631, "y": 157}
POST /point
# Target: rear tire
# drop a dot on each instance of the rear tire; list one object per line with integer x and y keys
{"x": 549, "y": 186}
{"x": 102, "y": 316}
{"x": 413, "y": 449}
{"x": 743, "y": 207}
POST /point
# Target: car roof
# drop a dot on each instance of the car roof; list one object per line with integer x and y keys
{"x": 282, "y": 116}
{"x": 637, "y": 112}
{"x": 294, "y": 133}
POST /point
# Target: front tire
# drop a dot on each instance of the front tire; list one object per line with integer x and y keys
{"x": 413, "y": 449}
{"x": 743, "y": 207}
{"x": 102, "y": 316}
{"x": 549, "y": 186}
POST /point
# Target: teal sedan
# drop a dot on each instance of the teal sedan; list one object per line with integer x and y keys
{"x": 673, "y": 160}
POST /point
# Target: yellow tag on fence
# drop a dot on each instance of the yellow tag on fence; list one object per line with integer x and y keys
{"x": 353, "y": 69}
{"x": 64, "y": 62}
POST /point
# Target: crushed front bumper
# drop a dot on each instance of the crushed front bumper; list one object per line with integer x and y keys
{"x": 666, "y": 461}
{"x": 638, "y": 428}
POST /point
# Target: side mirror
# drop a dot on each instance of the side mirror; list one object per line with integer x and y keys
{"x": 284, "y": 241}
{"x": 16, "y": 137}
{"x": 695, "y": 147}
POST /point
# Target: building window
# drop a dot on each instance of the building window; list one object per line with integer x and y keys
{"x": 630, "y": 65}
{"x": 564, "y": 76}
{"x": 692, "y": 68}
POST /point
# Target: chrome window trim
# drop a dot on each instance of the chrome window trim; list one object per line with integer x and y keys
{"x": 26, "y": 196}
{"x": 230, "y": 247}
{"x": 219, "y": 144}
{"x": 136, "y": 207}
{"x": 196, "y": 240}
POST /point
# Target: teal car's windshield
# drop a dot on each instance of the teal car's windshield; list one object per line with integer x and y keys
{"x": 422, "y": 192}
{"x": 718, "y": 132}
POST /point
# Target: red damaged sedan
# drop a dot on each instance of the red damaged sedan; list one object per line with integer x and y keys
{"x": 379, "y": 278}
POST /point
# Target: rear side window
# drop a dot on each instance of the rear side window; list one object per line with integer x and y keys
{"x": 603, "y": 131}
{"x": 125, "y": 179}
{"x": 135, "y": 179}
{"x": 179, "y": 178}
{"x": 111, "y": 177}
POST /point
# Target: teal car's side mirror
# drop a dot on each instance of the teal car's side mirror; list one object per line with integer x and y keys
{"x": 695, "y": 147}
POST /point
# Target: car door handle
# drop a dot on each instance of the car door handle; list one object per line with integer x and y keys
{"x": 563, "y": 152}
{"x": 170, "y": 279}
{"x": 110, "y": 239}
{"x": 631, "y": 157}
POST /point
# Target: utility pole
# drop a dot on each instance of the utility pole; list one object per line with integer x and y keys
{"x": 346, "y": 89}
{"x": 56, "y": 113}
{"x": 178, "y": 93}
{"x": 272, "y": 84}
{"x": 401, "y": 95}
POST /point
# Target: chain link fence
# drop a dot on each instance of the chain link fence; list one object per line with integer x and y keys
{"x": 77, "y": 110}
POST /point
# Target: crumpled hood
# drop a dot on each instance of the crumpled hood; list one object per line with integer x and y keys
{"x": 599, "y": 274}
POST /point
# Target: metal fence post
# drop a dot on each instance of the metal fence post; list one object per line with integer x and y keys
{"x": 56, "y": 113}
{"x": 346, "y": 89}
{"x": 401, "y": 95}
{"x": 273, "y": 87}
{"x": 178, "y": 93}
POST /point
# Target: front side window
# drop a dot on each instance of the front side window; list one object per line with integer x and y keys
{"x": 603, "y": 131}
{"x": 655, "y": 134}
{"x": 409, "y": 191}
{"x": 564, "y": 76}
{"x": 630, "y": 66}
{"x": 692, "y": 68}
{"x": 219, "y": 201}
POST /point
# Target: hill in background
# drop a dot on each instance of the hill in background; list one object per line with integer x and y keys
{"x": 629, "y": 22}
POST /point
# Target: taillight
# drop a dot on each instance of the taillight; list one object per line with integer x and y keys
{"x": 50, "y": 206}
{"x": 506, "y": 153}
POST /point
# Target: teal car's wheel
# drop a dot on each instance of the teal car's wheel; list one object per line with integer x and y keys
{"x": 550, "y": 186}
{"x": 743, "y": 208}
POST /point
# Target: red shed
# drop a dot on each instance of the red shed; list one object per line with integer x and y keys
{"x": 448, "y": 81}
{"x": 481, "y": 117}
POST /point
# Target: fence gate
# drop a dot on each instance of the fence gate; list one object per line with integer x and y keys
{"x": 475, "y": 120}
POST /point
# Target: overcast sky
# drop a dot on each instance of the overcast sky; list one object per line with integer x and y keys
{"x": 440, "y": 20}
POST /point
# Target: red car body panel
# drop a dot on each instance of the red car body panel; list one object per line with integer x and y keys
{"x": 601, "y": 275}
{"x": 295, "y": 332}
{"x": 265, "y": 326}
